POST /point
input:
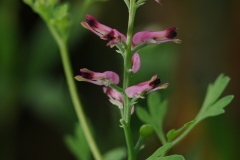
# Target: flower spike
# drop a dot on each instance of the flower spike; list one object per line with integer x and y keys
{"x": 104, "y": 32}
{"x": 106, "y": 78}
{"x": 145, "y": 87}
{"x": 149, "y": 37}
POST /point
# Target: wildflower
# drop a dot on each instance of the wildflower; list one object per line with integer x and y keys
{"x": 114, "y": 96}
{"x": 149, "y": 37}
{"x": 106, "y": 78}
{"x": 145, "y": 87}
{"x": 136, "y": 63}
{"x": 104, "y": 32}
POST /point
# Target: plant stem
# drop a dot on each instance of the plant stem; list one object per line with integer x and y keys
{"x": 139, "y": 144}
{"x": 73, "y": 92}
{"x": 127, "y": 65}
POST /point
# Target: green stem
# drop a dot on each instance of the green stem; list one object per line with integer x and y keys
{"x": 128, "y": 136}
{"x": 161, "y": 136}
{"x": 185, "y": 133}
{"x": 139, "y": 144}
{"x": 126, "y": 79}
{"x": 73, "y": 93}
{"x": 127, "y": 60}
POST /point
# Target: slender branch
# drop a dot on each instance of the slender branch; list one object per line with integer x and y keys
{"x": 139, "y": 144}
{"x": 161, "y": 136}
{"x": 73, "y": 93}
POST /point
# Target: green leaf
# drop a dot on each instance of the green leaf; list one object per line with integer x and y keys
{"x": 160, "y": 151}
{"x": 212, "y": 106}
{"x": 215, "y": 90}
{"x": 172, "y": 134}
{"x": 172, "y": 157}
{"x": 157, "y": 109}
{"x": 116, "y": 154}
{"x": 77, "y": 144}
{"x": 217, "y": 108}
{"x": 143, "y": 114}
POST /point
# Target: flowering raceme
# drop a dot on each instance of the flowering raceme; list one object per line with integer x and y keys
{"x": 112, "y": 36}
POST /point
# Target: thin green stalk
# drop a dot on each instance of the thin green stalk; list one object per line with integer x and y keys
{"x": 139, "y": 144}
{"x": 126, "y": 80}
{"x": 127, "y": 60}
{"x": 185, "y": 133}
{"x": 128, "y": 136}
{"x": 161, "y": 136}
{"x": 73, "y": 93}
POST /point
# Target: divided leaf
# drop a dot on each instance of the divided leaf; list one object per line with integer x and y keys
{"x": 160, "y": 151}
{"x": 218, "y": 107}
{"x": 215, "y": 90}
{"x": 143, "y": 114}
{"x": 116, "y": 154}
{"x": 172, "y": 157}
{"x": 78, "y": 143}
{"x": 172, "y": 134}
{"x": 157, "y": 111}
{"x": 212, "y": 106}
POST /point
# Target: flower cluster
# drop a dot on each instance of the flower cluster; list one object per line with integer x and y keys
{"x": 109, "y": 79}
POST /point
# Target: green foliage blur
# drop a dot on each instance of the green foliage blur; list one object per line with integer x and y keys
{"x": 35, "y": 108}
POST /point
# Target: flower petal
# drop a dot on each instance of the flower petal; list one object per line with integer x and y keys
{"x": 159, "y": 37}
{"x": 144, "y": 87}
{"x": 105, "y": 78}
{"x": 136, "y": 62}
{"x": 163, "y": 86}
{"x": 104, "y": 32}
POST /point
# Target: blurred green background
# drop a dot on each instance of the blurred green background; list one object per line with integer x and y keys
{"x": 35, "y": 108}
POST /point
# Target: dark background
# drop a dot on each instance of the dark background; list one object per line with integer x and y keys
{"x": 35, "y": 108}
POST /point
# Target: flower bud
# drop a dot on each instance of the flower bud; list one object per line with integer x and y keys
{"x": 146, "y": 131}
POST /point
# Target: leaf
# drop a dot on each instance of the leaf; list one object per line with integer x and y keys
{"x": 172, "y": 134}
{"x": 160, "y": 151}
{"x": 212, "y": 106}
{"x": 143, "y": 114}
{"x": 215, "y": 90}
{"x": 217, "y": 108}
{"x": 157, "y": 107}
{"x": 172, "y": 157}
{"x": 77, "y": 144}
{"x": 116, "y": 154}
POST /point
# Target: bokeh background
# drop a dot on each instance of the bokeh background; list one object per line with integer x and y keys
{"x": 35, "y": 108}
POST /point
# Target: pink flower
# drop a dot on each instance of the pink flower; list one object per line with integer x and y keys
{"x": 105, "y": 78}
{"x": 136, "y": 63}
{"x": 159, "y": 37}
{"x": 104, "y": 32}
{"x": 145, "y": 87}
{"x": 114, "y": 97}
{"x": 158, "y": 1}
